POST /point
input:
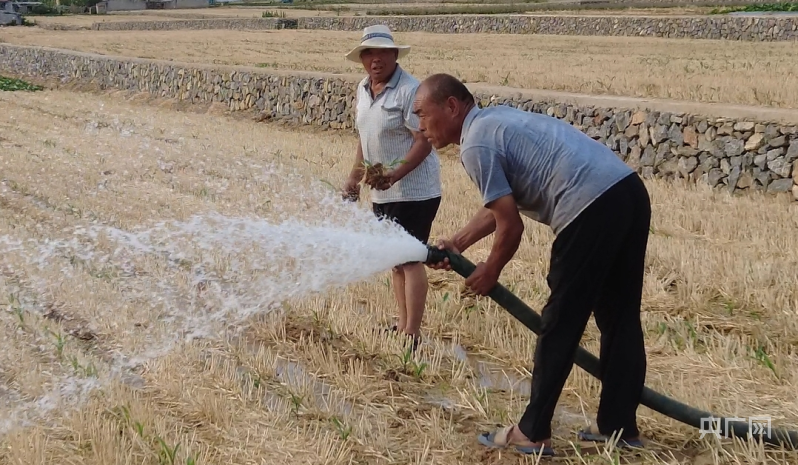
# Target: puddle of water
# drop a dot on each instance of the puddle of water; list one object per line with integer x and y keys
{"x": 491, "y": 375}
{"x": 295, "y": 375}
{"x": 7, "y": 396}
{"x": 441, "y": 401}
{"x": 271, "y": 401}
{"x": 133, "y": 380}
{"x": 297, "y": 378}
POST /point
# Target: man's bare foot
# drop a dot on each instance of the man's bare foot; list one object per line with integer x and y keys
{"x": 517, "y": 438}
{"x": 511, "y": 436}
{"x": 592, "y": 433}
{"x": 594, "y": 429}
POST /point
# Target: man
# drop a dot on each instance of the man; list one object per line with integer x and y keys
{"x": 599, "y": 211}
{"x": 409, "y": 193}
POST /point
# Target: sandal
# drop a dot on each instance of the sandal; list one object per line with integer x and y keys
{"x": 591, "y": 434}
{"x": 500, "y": 438}
{"x": 416, "y": 341}
{"x": 388, "y": 330}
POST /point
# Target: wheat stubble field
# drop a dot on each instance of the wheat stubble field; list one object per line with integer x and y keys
{"x": 695, "y": 70}
{"x": 313, "y": 383}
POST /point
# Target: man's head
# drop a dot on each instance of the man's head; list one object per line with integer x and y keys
{"x": 442, "y": 103}
{"x": 377, "y": 52}
{"x": 379, "y": 63}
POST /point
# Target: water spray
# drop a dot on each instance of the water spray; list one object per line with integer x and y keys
{"x": 665, "y": 405}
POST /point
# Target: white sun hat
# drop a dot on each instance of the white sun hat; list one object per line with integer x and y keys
{"x": 378, "y": 36}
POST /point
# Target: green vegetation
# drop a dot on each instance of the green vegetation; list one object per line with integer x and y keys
{"x": 11, "y": 85}
{"x": 273, "y": 14}
{"x": 44, "y": 10}
{"x": 50, "y": 8}
{"x": 756, "y": 8}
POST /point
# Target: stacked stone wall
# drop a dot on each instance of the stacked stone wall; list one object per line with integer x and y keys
{"x": 239, "y": 24}
{"x": 737, "y": 154}
{"x": 676, "y": 27}
{"x": 762, "y": 29}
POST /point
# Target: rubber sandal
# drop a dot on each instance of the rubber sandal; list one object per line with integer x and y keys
{"x": 498, "y": 439}
{"x": 416, "y": 341}
{"x": 388, "y": 330}
{"x": 587, "y": 435}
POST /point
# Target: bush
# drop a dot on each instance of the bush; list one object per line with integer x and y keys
{"x": 44, "y": 10}
{"x": 12, "y": 85}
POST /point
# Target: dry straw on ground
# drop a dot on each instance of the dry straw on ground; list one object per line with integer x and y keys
{"x": 169, "y": 15}
{"x": 719, "y": 311}
{"x": 345, "y": 9}
{"x": 703, "y": 70}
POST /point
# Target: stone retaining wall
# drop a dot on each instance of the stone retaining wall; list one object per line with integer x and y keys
{"x": 197, "y": 24}
{"x": 681, "y": 27}
{"x": 764, "y": 29}
{"x": 741, "y": 154}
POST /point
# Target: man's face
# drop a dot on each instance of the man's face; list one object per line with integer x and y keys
{"x": 379, "y": 63}
{"x": 436, "y": 121}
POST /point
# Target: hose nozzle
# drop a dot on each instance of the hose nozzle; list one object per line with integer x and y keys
{"x": 435, "y": 255}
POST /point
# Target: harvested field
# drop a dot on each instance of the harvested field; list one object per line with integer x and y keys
{"x": 719, "y": 309}
{"x": 165, "y": 15}
{"x": 85, "y": 21}
{"x": 344, "y": 9}
{"x": 532, "y": 8}
{"x": 702, "y": 70}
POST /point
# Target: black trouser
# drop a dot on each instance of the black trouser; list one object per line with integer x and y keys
{"x": 415, "y": 216}
{"x": 597, "y": 264}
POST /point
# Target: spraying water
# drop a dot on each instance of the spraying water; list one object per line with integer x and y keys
{"x": 196, "y": 277}
{"x": 250, "y": 264}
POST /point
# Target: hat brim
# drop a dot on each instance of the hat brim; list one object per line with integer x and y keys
{"x": 354, "y": 55}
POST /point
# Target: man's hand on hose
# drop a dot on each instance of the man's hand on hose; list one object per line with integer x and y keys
{"x": 509, "y": 231}
{"x": 483, "y": 279}
{"x": 444, "y": 244}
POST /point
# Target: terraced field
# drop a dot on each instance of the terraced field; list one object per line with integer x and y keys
{"x": 710, "y": 71}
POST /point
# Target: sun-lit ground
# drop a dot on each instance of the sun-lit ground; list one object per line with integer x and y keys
{"x": 719, "y": 309}
{"x": 85, "y": 21}
{"x": 342, "y": 9}
{"x": 73, "y": 21}
{"x": 700, "y": 70}
{"x": 181, "y": 14}
{"x": 345, "y": 9}
{"x": 555, "y": 8}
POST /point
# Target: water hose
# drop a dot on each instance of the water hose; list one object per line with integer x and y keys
{"x": 587, "y": 361}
